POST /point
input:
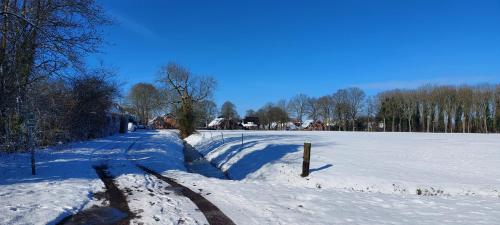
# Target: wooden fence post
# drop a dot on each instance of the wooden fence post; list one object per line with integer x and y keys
{"x": 306, "y": 160}
{"x": 222, "y": 134}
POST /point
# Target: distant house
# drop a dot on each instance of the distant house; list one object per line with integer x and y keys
{"x": 283, "y": 126}
{"x": 250, "y": 123}
{"x": 291, "y": 126}
{"x": 313, "y": 125}
{"x": 306, "y": 124}
{"x": 216, "y": 123}
{"x": 163, "y": 122}
{"x": 297, "y": 123}
{"x": 223, "y": 123}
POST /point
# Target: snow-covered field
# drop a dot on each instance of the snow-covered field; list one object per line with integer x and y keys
{"x": 356, "y": 178}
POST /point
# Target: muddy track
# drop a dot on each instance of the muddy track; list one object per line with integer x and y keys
{"x": 213, "y": 214}
{"x": 117, "y": 212}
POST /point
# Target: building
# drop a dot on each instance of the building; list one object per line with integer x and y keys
{"x": 313, "y": 125}
{"x": 222, "y": 123}
{"x": 250, "y": 123}
{"x": 163, "y": 122}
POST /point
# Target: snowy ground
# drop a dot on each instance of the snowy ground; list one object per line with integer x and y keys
{"x": 66, "y": 182}
{"x": 356, "y": 178}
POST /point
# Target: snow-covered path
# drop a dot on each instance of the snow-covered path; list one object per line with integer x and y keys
{"x": 66, "y": 182}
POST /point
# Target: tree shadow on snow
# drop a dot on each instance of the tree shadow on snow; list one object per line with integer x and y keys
{"x": 256, "y": 159}
{"x": 75, "y": 161}
{"x": 221, "y": 159}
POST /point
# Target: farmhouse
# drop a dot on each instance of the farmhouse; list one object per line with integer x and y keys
{"x": 313, "y": 125}
{"x": 223, "y": 123}
{"x": 163, "y": 122}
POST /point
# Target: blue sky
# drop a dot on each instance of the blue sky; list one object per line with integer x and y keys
{"x": 264, "y": 51}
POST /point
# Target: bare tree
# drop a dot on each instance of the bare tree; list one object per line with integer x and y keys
{"x": 206, "y": 111}
{"x": 144, "y": 100}
{"x": 325, "y": 104}
{"x": 313, "y": 108}
{"x": 371, "y": 110}
{"x": 341, "y": 107}
{"x": 298, "y": 106}
{"x": 409, "y": 107}
{"x": 355, "y": 98}
{"x": 185, "y": 90}
{"x": 228, "y": 111}
{"x": 483, "y": 98}
{"x": 465, "y": 105}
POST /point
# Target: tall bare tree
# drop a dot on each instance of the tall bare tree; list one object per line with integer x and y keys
{"x": 409, "y": 107}
{"x": 340, "y": 100}
{"x": 356, "y": 98}
{"x": 184, "y": 91}
{"x": 325, "y": 104}
{"x": 228, "y": 111}
{"x": 298, "y": 106}
{"x": 371, "y": 110}
{"x": 145, "y": 99}
{"x": 313, "y": 108}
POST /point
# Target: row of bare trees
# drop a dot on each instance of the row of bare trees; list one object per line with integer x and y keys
{"x": 430, "y": 108}
{"x": 47, "y": 93}
{"x": 340, "y": 110}
{"x": 441, "y": 109}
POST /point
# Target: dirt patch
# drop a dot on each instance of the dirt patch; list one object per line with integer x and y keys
{"x": 117, "y": 212}
{"x": 213, "y": 214}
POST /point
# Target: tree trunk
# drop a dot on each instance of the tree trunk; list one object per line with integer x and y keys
{"x": 486, "y": 124}
{"x": 385, "y": 124}
{"x": 409, "y": 125}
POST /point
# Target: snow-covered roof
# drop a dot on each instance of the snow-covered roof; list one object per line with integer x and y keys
{"x": 291, "y": 126}
{"x": 249, "y": 124}
{"x": 306, "y": 123}
{"x": 216, "y": 122}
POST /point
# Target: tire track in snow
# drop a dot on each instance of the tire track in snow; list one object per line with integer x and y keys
{"x": 118, "y": 211}
{"x": 212, "y": 213}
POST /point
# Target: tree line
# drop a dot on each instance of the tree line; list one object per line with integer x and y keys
{"x": 446, "y": 108}
{"x": 429, "y": 108}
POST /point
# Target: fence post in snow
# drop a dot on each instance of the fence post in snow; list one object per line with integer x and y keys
{"x": 241, "y": 140}
{"x": 307, "y": 158}
{"x": 222, "y": 135}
